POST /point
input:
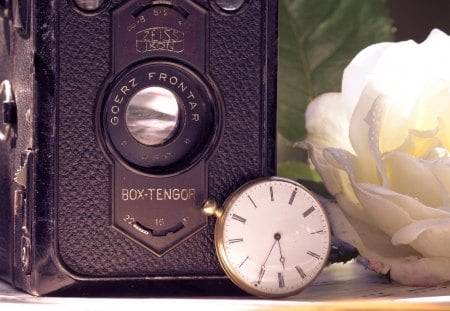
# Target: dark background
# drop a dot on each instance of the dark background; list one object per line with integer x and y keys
{"x": 414, "y": 19}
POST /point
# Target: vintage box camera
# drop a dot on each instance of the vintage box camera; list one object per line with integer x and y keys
{"x": 121, "y": 118}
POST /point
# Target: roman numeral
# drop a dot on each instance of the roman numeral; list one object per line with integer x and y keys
{"x": 235, "y": 240}
{"x": 271, "y": 194}
{"x": 242, "y": 263}
{"x": 300, "y": 271}
{"x": 308, "y": 211}
{"x": 294, "y": 193}
{"x": 317, "y": 256}
{"x": 317, "y": 232}
{"x": 253, "y": 202}
{"x": 238, "y": 218}
{"x": 280, "y": 280}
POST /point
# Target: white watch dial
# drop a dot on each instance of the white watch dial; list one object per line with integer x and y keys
{"x": 273, "y": 237}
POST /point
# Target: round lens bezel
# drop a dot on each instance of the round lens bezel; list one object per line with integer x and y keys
{"x": 197, "y": 124}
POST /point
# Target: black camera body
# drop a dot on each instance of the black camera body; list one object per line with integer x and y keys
{"x": 122, "y": 119}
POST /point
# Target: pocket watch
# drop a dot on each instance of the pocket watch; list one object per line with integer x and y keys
{"x": 272, "y": 237}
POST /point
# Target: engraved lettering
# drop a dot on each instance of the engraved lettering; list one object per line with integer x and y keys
{"x": 182, "y": 87}
{"x": 173, "y": 80}
{"x": 125, "y": 195}
{"x": 191, "y": 95}
{"x": 128, "y": 219}
{"x": 132, "y": 194}
{"x": 114, "y": 120}
{"x": 151, "y": 75}
{"x": 124, "y": 89}
{"x": 162, "y": 76}
{"x": 193, "y": 105}
{"x": 151, "y": 191}
{"x": 159, "y": 222}
{"x": 160, "y": 39}
{"x": 115, "y": 109}
{"x": 158, "y": 194}
{"x": 195, "y": 117}
{"x": 133, "y": 82}
{"x": 118, "y": 99}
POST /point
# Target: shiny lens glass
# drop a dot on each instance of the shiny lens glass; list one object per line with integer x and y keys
{"x": 152, "y": 116}
{"x": 89, "y": 5}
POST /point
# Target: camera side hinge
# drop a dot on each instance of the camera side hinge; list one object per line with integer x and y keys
{"x": 22, "y": 210}
{"x": 9, "y": 113}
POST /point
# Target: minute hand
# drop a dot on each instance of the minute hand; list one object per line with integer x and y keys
{"x": 263, "y": 266}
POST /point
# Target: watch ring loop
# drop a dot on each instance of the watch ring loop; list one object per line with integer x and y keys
{"x": 6, "y": 92}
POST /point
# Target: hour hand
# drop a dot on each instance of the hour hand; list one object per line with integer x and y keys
{"x": 282, "y": 259}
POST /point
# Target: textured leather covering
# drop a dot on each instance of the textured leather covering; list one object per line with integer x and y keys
{"x": 58, "y": 73}
{"x": 87, "y": 244}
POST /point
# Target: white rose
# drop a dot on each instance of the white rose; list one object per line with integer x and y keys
{"x": 382, "y": 148}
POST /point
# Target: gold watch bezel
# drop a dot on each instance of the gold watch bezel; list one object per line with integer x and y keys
{"x": 220, "y": 243}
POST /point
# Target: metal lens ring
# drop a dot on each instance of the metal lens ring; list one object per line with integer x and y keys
{"x": 158, "y": 117}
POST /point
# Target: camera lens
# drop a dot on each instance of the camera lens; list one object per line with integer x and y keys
{"x": 89, "y": 5}
{"x": 158, "y": 117}
{"x": 152, "y": 116}
{"x": 230, "y": 5}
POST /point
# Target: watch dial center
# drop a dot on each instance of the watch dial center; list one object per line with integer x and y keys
{"x": 277, "y": 236}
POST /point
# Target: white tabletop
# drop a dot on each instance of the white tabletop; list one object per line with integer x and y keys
{"x": 339, "y": 287}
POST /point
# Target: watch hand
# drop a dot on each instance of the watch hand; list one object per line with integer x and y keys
{"x": 263, "y": 266}
{"x": 282, "y": 259}
{"x": 261, "y": 274}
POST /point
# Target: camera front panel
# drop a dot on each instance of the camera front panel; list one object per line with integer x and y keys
{"x": 162, "y": 104}
{"x": 160, "y": 120}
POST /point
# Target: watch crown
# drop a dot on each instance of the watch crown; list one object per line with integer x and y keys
{"x": 211, "y": 208}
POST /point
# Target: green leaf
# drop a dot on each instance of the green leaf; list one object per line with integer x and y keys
{"x": 298, "y": 170}
{"x": 318, "y": 38}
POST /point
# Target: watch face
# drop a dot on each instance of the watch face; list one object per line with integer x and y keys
{"x": 273, "y": 237}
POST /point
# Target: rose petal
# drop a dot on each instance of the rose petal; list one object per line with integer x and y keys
{"x": 360, "y": 135}
{"x": 416, "y": 271}
{"x": 391, "y": 177}
{"x": 420, "y": 144}
{"x": 435, "y": 55}
{"x": 415, "y": 209}
{"x": 400, "y": 262}
{"x": 324, "y": 120}
{"x": 433, "y": 109}
{"x": 373, "y": 208}
{"x": 346, "y": 164}
{"x": 413, "y": 177}
{"x": 356, "y": 76}
{"x": 369, "y": 240}
{"x": 441, "y": 170}
{"x": 327, "y": 123}
{"x": 430, "y": 237}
